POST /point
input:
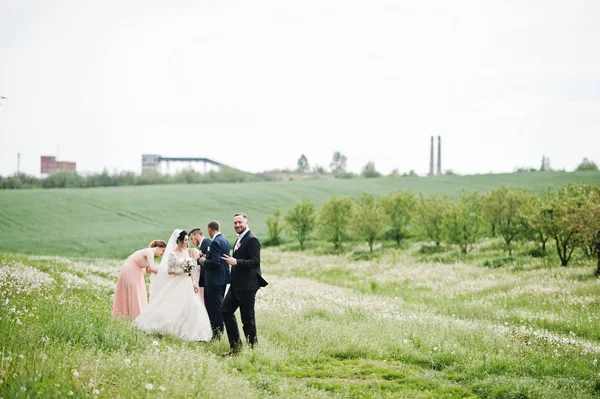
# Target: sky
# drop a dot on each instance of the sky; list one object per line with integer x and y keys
{"x": 256, "y": 84}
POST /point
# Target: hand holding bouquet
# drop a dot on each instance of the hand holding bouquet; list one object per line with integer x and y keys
{"x": 188, "y": 265}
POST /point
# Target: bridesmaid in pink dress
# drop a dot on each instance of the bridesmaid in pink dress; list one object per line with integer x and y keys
{"x": 130, "y": 295}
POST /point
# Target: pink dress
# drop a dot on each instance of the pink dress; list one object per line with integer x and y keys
{"x": 130, "y": 295}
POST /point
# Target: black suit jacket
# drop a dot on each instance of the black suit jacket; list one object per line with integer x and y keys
{"x": 204, "y": 246}
{"x": 246, "y": 275}
{"x": 216, "y": 270}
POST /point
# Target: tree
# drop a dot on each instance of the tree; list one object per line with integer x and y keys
{"x": 338, "y": 164}
{"x": 319, "y": 170}
{"x": 333, "y": 219}
{"x": 274, "y": 228}
{"x": 303, "y": 166}
{"x": 560, "y": 215}
{"x": 370, "y": 171}
{"x": 492, "y": 208}
{"x": 399, "y": 208}
{"x": 430, "y": 216}
{"x": 462, "y": 222}
{"x": 532, "y": 217}
{"x": 587, "y": 222}
{"x": 368, "y": 218}
{"x": 545, "y": 164}
{"x": 587, "y": 165}
{"x": 300, "y": 220}
{"x": 501, "y": 208}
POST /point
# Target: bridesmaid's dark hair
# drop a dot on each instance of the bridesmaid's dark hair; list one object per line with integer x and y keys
{"x": 181, "y": 236}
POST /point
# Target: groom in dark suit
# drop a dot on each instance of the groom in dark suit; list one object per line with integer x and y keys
{"x": 203, "y": 244}
{"x": 246, "y": 279}
{"x": 217, "y": 276}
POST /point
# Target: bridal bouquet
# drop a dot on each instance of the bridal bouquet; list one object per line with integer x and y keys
{"x": 188, "y": 265}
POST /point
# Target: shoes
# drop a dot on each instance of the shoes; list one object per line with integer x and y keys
{"x": 217, "y": 334}
{"x": 231, "y": 352}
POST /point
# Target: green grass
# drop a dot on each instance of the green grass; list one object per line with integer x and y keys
{"x": 112, "y": 222}
{"x": 329, "y": 326}
{"x": 410, "y": 322}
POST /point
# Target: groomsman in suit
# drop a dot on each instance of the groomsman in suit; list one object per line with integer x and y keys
{"x": 203, "y": 244}
{"x": 246, "y": 279}
{"x": 217, "y": 276}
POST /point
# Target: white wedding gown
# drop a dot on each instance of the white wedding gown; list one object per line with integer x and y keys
{"x": 177, "y": 309}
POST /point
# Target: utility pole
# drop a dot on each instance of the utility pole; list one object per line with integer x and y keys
{"x": 19, "y": 164}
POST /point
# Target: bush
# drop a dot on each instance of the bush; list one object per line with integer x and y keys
{"x": 536, "y": 252}
{"x": 430, "y": 249}
{"x": 587, "y": 165}
{"x": 498, "y": 262}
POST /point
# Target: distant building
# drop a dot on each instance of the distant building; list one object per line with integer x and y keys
{"x": 154, "y": 163}
{"x": 51, "y": 165}
{"x": 150, "y": 163}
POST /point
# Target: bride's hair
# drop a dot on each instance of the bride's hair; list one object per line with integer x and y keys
{"x": 181, "y": 236}
{"x": 158, "y": 243}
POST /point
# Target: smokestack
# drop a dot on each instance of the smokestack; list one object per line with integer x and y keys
{"x": 439, "y": 162}
{"x": 431, "y": 159}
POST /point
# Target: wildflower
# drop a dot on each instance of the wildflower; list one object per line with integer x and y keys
{"x": 95, "y": 392}
{"x": 23, "y": 389}
{"x": 154, "y": 343}
{"x": 22, "y": 356}
{"x": 91, "y": 383}
{"x": 70, "y": 393}
{"x": 149, "y": 386}
{"x": 162, "y": 388}
{"x": 595, "y": 362}
{"x": 127, "y": 361}
{"x": 75, "y": 373}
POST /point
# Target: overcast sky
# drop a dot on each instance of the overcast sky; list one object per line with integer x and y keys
{"x": 255, "y": 84}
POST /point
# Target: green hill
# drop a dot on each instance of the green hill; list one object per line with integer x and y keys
{"x": 114, "y": 221}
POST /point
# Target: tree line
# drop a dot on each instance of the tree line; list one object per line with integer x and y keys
{"x": 337, "y": 168}
{"x": 568, "y": 217}
{"x": 69, "y": 179}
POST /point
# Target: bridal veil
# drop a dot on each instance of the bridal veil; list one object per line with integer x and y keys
{"x": 158, "y": 280}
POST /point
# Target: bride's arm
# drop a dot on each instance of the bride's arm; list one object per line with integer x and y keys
{"x": 171, "y": 268}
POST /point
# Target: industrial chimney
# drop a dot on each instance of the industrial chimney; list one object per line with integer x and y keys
{"x": 439, "y": 160}
{"x": 431, "y": 159}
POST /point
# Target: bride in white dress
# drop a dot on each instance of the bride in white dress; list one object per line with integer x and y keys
{"x": 175, "y": 307}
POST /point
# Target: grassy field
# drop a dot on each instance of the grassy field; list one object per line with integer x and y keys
{"x": 400, "y": 324}
{"x": 112, "y": 222}
{"x": 415, "y": 322}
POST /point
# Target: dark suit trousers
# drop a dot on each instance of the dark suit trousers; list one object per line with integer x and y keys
{"x": 245, "y": 301}
{"x": 213, "y": 298}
